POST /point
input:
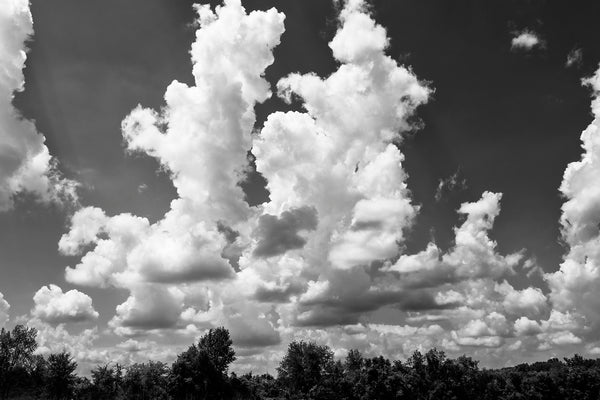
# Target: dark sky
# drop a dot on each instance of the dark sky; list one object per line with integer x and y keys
{"x": 504, "y": 120}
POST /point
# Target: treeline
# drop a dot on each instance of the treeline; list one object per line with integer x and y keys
{"x": 307, "y": 371}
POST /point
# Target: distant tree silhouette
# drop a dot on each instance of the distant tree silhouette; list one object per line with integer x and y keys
{"x": 107, "y": 382}
{"x": 146, "y": 381}
{"x": 61, "y": 378}
{"x": 305, "y": 368}
{"x": 308, "y": 371}
{"x": 200, "y": 371}
{"x": 16, "y": 357}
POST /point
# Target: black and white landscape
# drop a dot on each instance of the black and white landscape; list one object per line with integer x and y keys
{"x": 336, "y": 179}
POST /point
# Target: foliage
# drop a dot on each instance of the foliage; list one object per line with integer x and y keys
{"x": 16, "y": 357}
{"x": 308, "y": 371}
{"x": 60, "y": 376}
{"x": 146, "y": 381}
{"x": 200, "y": 371}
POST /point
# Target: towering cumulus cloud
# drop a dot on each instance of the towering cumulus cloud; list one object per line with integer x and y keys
{"x": 348, "y": 284}
{"x": 25, "y": 162}
{"x": 202, "y": 137}
{"x": 575, "y": 286}
{"x": 323, "y": 258}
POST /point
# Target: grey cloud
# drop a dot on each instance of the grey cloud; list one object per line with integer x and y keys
{"x": 278, "y": 294}
{"x": 214, "y": 268}
{"x": 278, "y": 235}
{"x": 348, "y": 310}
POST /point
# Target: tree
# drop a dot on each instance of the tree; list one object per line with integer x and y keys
{"x": 107, "y": 382}
{"x": 60, "y": 381}
{"x": 200, "y": 371}
{"x": 217, "y": 345}
{"x": 16, "y": 356}
{"x": 146, "y": 381}
{"x": 305, "y": 367}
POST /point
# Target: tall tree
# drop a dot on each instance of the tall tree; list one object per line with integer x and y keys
{"x": 218, "y": 347}
{"x": 305, "y": 367}
{"x": 107, "y": 382}
{"x": 146, "y": 381}
{"x": 61, "y": 377}
{"x": 200, "y": 371}
{"x": 16, "y": 356}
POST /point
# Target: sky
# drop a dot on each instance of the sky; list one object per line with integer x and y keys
{"x": 383, "y": 175}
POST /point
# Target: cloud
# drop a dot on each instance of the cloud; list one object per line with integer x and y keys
{"x": 526, "y": 40}
{"x": 148, "y": 307}
{"x": 201, "y": 137}
{"x": 53, "y": 306}
{"x": 573, "y": 286}
{"x": 453, "y": 183}
{"x": 574, "y": 58}
{"x": 473, "y": 255}
{"x": 323, "y": 259}
{"x": 25, "y": 162}
{"x": 276, "y": 235}
{"x": 527, "y": 327}
{"x": 4, "y": 308}
{"x": 529, "y": 301}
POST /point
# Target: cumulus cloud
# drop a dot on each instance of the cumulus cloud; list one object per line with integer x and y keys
{"x": 525, "y": 327}
{"x": 55, "y": 307}
{"x": 25, "y": 162}
{"x": 573, "y": 286}
{"x": 322, "y": 259}
{"x": 148, "y": 307}
{"x": 526, "y": 40}
{"x": 201, "y": 137}
{"x": 4, "y": 308}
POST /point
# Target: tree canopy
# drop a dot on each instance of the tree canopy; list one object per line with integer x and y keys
{"x": 307, "y": 371}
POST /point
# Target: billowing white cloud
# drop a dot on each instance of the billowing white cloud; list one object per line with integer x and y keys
{"x": 201, "y": 137}
{"x": 525, "y": 327}
{"x": 574, "y": 286}
{"x": 4, "y": 308}
{"x": 25, "y": 162}
{"x": 53, "y": 306}
{"x": 526, "y": 40}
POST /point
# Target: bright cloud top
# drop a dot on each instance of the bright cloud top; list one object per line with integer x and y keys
{"x": 25, "y": 162}
{"x": 55, "y": 307}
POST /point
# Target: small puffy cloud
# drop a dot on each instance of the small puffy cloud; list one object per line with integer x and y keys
{"x": 25, "y": 162}
{"x": 529, "y": 301}
{"x": 526, "y": 40}
{"x": 55, "y": 307}
{"x": 147, "y": 308}
{"x": 276, "y": 235}
{"x": 526, "y": 327}
{"x": 574, "y": 58}
{"x": 4, "y": 308}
